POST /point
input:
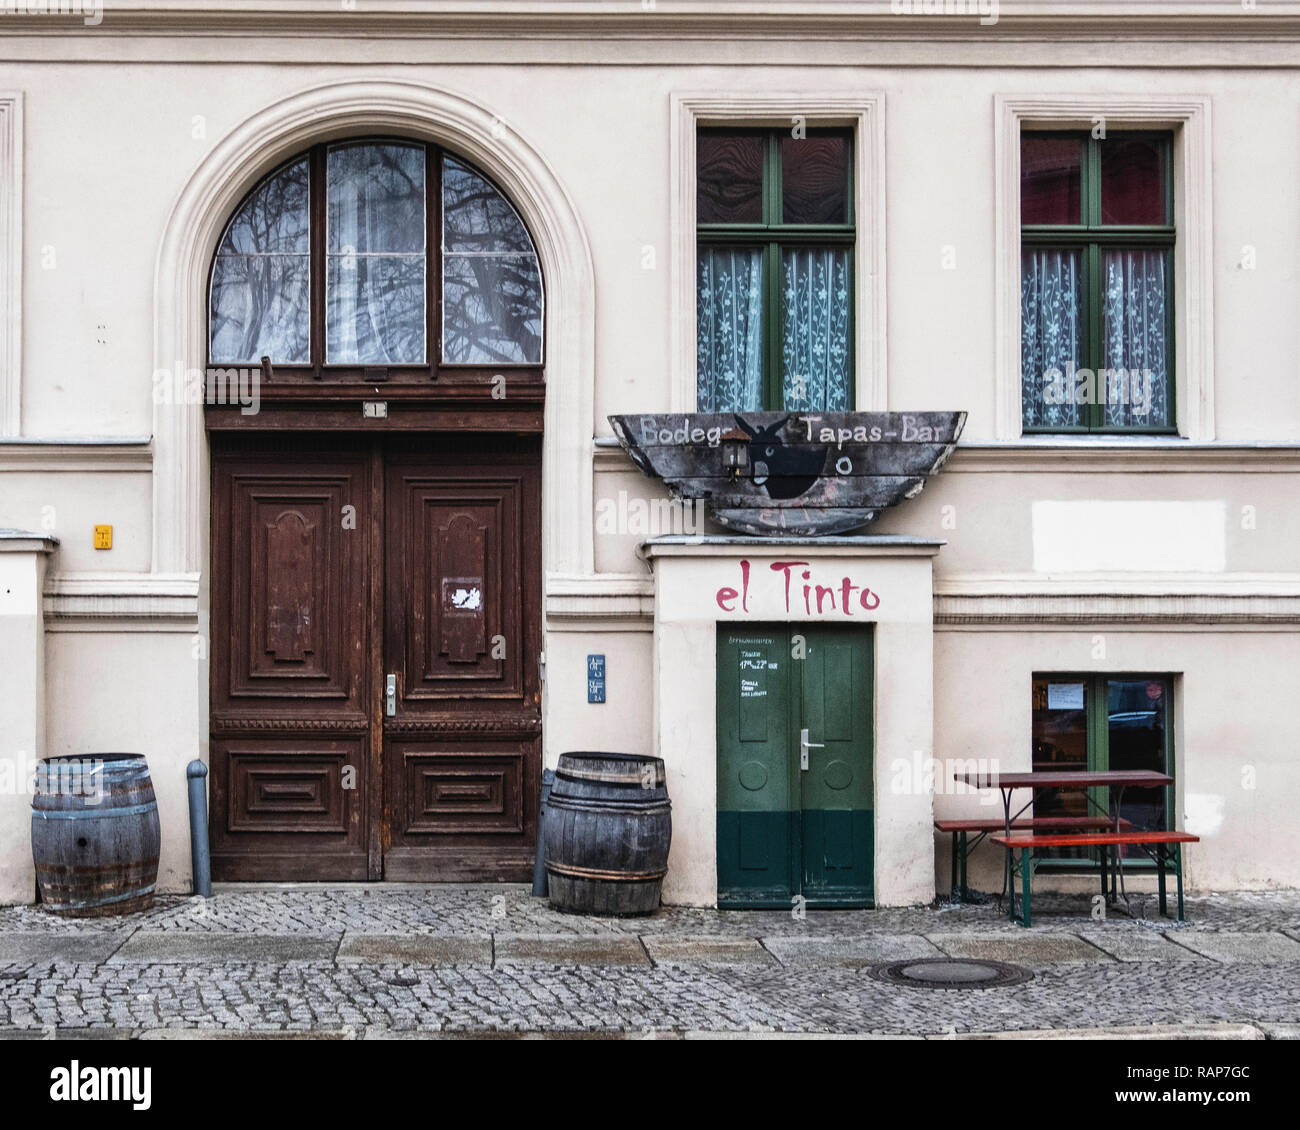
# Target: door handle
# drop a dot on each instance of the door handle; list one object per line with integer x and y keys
{"x": 390, "y": 695}
{"x": 804, "y": 746}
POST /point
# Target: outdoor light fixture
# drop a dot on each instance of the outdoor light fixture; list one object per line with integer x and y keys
{"x": 735, "y": 455}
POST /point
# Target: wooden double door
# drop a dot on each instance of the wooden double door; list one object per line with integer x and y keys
{"x": 795, "y": 765}
{"x": 375, "y": 661}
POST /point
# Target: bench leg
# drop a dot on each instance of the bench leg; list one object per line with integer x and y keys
{"x": 1160, "y": 880}
{"x": 1026, "y": 868}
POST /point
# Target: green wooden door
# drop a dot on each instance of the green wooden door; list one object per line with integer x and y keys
{"x": 784, "y": 830}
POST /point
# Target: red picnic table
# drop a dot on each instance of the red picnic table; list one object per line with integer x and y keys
{"x": 1167, "y": 845}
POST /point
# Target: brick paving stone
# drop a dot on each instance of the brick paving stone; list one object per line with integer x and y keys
{"x": 32, "y": 945}
{"x": 263, "y": 960}
{"x": 423, "y": 949}
{"x": 1025, "y": 946}
{"x": 552, "y": 949}
{"x": 868, "y": 950}
{"x": 1266, "y": 947}
{"x": 1148, "y": 946}
{"x": 692, "y": 949}
{"x": 163, "y": 945}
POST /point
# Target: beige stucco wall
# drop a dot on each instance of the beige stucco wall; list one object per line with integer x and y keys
{"x": 133, "y": 691}
{"x": 115, "y": 125}
{"x": 1236, "y": 773}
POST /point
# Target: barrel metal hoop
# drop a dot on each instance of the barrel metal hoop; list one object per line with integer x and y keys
{"x": 575, "y": 872}
{"x": 85, "y": 904}
{"x": 94, "y": 812}
{"x": 633, "y": 779}
{"x": 605, "y": 804}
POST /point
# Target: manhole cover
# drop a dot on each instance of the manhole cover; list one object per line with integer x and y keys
{"x": 950, "y": 973}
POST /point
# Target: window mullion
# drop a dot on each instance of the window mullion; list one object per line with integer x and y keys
{"x": 316, "y": 210}
{"x": 773, "y": 330}
{"x": 1096, "y": 341}
{"x": 772, "y": 325}
{"x": 433, "y": 258}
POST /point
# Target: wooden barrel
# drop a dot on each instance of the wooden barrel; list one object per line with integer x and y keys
{"x": 608, "y": 827}
{"x": 95, "y": 834}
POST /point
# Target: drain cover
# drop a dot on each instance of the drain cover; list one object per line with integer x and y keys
{"x": 951, "y": 973}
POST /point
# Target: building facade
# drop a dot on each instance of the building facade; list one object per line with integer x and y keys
{"x": 324, "y": 308}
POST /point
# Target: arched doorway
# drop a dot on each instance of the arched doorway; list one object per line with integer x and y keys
{"x": 375, "y": 405}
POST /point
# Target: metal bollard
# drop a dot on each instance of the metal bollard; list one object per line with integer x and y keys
{"x": 540, "y": 885}
{"x": 197, "y": 773}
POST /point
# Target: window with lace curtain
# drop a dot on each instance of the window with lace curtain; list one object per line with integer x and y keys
{"x": 774, "y": 299}
{"x": 1096, "y": 288}
{"x": 361, "y": 257}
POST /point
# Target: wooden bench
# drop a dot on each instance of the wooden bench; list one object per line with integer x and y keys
{"x": 1167, "y": 854}
{"x": 961, "y": 847}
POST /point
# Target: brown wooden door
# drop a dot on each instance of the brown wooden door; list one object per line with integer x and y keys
{"x": 462, "y": 746}
{"x": 336, "y": 563}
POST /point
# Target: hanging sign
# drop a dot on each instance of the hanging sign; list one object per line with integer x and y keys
{"x": 792, "y": 473}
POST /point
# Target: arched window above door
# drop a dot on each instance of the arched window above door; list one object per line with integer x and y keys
{"x": 327, "y": 266}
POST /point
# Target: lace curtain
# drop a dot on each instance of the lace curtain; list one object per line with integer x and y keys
{"x": 815, "y": 319}
{"x": 729, "y": 317}
{"x": 815, "y": 352}
{"x": 1050, "y": 335}
{"x": 1134, "y": 331}
{"x": 1134, "y": 389}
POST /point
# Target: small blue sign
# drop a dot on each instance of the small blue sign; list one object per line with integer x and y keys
{"x": 595, "y": 678}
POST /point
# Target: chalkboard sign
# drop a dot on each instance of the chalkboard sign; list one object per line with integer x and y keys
{"x": 792, "y": 473}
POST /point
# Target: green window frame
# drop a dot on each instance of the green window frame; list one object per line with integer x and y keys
{"x": 1098, "y": 727}
{"x": 774, "y": 236}
{"x": 1092, "y": 238}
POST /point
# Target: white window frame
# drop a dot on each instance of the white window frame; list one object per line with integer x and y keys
{"x": 864, "y": 113}
{"x": 1189, "y": 119}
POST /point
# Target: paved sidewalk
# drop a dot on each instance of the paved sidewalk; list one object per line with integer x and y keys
{"x": 409, "y": 960}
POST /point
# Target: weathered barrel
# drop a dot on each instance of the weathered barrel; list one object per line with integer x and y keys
{"x": 95, "y": 834}
{"x": 608, "y": 827}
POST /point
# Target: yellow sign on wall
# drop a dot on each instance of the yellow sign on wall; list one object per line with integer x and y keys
{"x": 103, "y": 537}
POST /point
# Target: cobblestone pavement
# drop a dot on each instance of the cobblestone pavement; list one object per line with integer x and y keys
{"x": 361, "y": 962}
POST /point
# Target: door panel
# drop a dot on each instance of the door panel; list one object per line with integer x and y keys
{"x": 462, "y": 749}
{"x": 455, "y": 602}
{"x": 289, "y": 732}
{"x": 838, "y": 831}
{"x": 756, "y": 820}
{"x": 784, "y": 831}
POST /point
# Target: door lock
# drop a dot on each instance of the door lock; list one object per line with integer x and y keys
{"x": 390, "y": 695}
{"x": 804, "y": 746}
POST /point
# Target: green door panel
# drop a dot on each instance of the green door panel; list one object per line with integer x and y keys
{"x": 837, "y": 788}
{"x": 783, "y": 831}
{"x": 755, "y": 787}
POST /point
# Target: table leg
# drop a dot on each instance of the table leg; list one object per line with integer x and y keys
{"x": 1026, "y": 863}
{"x": 1178, "y": 870}
{"x": 1008, "y": 871}
{"x": 1160, "y": 879}
{"x": 953, "y": 893}
{"x": 965, "y": 854}
{"x": 1117, "y": 863}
